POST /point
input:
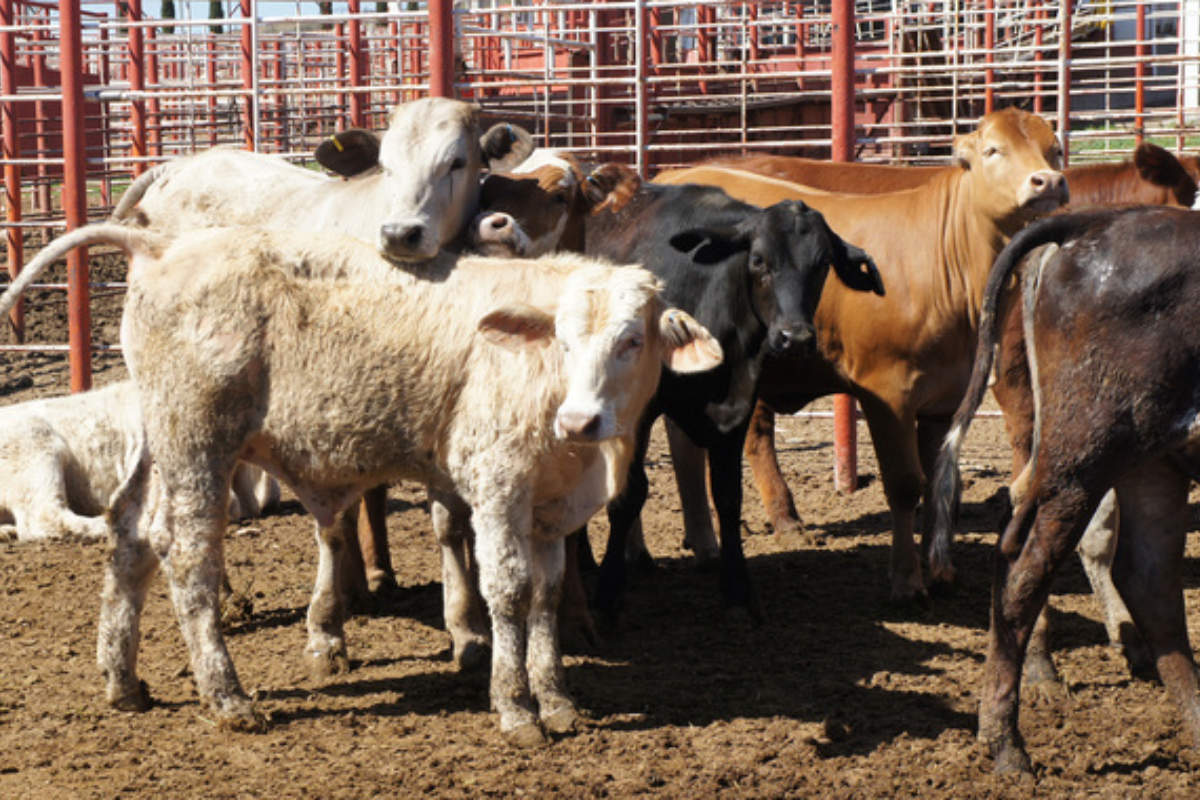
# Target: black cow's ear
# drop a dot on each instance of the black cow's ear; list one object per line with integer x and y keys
{"x": 349, "y": 153}
{"x": 857, "y": 270}
{"x": 505, "y": 146}
{"x": 710, "y": 245}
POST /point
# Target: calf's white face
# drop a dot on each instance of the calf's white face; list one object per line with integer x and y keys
{"x": 616, "y": 337}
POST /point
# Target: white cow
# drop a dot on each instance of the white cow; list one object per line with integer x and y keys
{"x": 524, "y": 416}
{"x": 63, "y": 458}
{"x": 411, "y": 191}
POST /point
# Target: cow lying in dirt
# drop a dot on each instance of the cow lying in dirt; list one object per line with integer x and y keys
{"x": 1107, "y": 325}
{"x": 412, "y": 191}
{"x": 257, "y": 344}
{"x": 62, "y": 458}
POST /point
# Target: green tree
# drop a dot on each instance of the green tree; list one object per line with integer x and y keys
{"x": 216, "y": 10}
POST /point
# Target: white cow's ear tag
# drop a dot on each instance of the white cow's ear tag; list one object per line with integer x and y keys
{"x": 518, "y": 326}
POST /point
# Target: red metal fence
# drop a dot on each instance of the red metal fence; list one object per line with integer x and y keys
{"x": 650, "y": 82}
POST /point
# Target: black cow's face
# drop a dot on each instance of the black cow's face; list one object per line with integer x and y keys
{"x": 791, "y": 250}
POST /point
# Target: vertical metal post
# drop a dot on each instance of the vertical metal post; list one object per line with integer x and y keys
{"x": 1139, "y": 75}
{"x": 358, "y": 100}
{"x": 639, "y": 85}
{"x": 441, "y": 48}
{"x": 137, "y": 84}
{"x": 79, "y": 315}
{"x": 13, "y": 202}
{"x": 154, "y": 115}
{"x": 845, "y": 424}
{"x": 1064, "y": 80}
{"x": 249, "y": 41}
{"x": 989, "y": 46}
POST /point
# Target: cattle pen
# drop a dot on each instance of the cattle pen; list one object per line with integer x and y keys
{"x": 841, "y": 693}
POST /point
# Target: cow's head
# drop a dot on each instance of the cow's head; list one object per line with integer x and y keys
{"x": 616, "y": 336}
{"x": 789, "y": 250}
{"x": 542, "y": 205}
{"x": 427, "y": 165}
{"x": 1016, "y": 165}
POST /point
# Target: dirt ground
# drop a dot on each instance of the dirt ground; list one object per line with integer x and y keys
{"x": 838, "y": 694}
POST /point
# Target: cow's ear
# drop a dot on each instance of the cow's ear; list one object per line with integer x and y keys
{"x": 857, "y": 270}
{"x": 688, "y": 345}
{"x": 966, "y": 150}
{"x": 610, "y": 186}
{"x": 506, "y": 146}
{"x": 349, "y": 153}
{"x": 518, "y": 326}
{"x": 710, "y": 245}
{"x": 1160, "y": 167}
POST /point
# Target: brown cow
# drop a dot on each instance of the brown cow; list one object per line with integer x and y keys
{"x": 1108, "y": 320}
{"x": 907, "y": 356}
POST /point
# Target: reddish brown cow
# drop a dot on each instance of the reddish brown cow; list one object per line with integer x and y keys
{"x": 907, "y": 356}
{"x": 1108, "y": 333}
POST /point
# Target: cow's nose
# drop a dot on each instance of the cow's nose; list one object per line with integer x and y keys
{"x": 794, "y": 340}
{"x": 495, "y": 224}
{"x": 1048, "y": 185}
{"x": 578, "y": 425}
{"x": 403, "y": 238}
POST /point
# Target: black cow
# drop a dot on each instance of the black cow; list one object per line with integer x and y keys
{"x": 1109, "y": 326}
{"x": 752, "y": 277}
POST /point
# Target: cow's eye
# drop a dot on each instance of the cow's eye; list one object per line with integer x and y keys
{"x": 758, "y": 263}
{"x": 988, "y": 152}
{"x": 457, "y": 164}
{"x": 630, "y": 346}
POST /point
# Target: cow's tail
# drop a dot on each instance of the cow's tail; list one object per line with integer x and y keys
{"x": 947, "y": 483}
{"x": 134, "y": 241}
{"x": 136, "y": 191}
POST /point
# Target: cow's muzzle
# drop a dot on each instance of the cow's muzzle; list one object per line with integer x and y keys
{"x": 792, "y": 340}
{"x": 407, "y": 241}
{"x": 1045, "y": 190}
{"x": 580, "y": 426}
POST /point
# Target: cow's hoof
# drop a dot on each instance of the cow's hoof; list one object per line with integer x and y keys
{"x": 472, "y": 657}
{"x": 8, "y": 533}
{"x": 136, "y": 699}
{"x": 1041, "y": 672}
{"x": 383, "y": 585}
{"x": 526, "y": 736}
{"x": 328, "y": 663}
{"x": 787, "y": 526}
{"x": 561, "y": 720}
{"x": 250, "y": 721}
{"x": 1013, "y": 760}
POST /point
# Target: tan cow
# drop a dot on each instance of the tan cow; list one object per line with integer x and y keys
{"x": 907, "y": 356}
{"x": 257, "y": 345}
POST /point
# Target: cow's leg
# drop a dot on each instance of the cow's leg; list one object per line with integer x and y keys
{"x": 895, "y": 440}
{"x": 688, "y": 463}
{"x": 931, "y": 432}
{"x": 725, "y": 470}
{"x": 574, "y": 618}
{"x": 197, "y": 502}
{"x": 1021, "y": 586}
{"x": 373, "y": 541}
{"x": 466, "y": 620}
{"x": 46, "y": 514}
{"x": 768, "y": 477}
{"x": 1097, "y": 551}
{"x": 623, "y": 512}
{"x": 132, "y": 564}
{"x": 502, "y": 546}
{"x": 1148, "y": 570}
{"x": 326, "y": 648}
{"x": 555, "y": 708}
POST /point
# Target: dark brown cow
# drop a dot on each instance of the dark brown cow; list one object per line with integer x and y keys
{"x": 1109, "y": 320}
{"x": 907, "y": 356}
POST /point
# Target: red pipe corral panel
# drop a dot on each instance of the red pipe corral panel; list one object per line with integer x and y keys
{"x": 75, "y": 195}
{"x": 845, "y": 425}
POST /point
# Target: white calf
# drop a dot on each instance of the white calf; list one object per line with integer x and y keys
{"x": 525, "y": 417}
{"x": 63, "y": 458}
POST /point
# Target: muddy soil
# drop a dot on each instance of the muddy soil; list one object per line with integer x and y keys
{"x": 838, "y": 694}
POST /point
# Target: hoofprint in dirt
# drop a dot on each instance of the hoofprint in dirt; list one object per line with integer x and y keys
{"x": 838, "y": 695}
